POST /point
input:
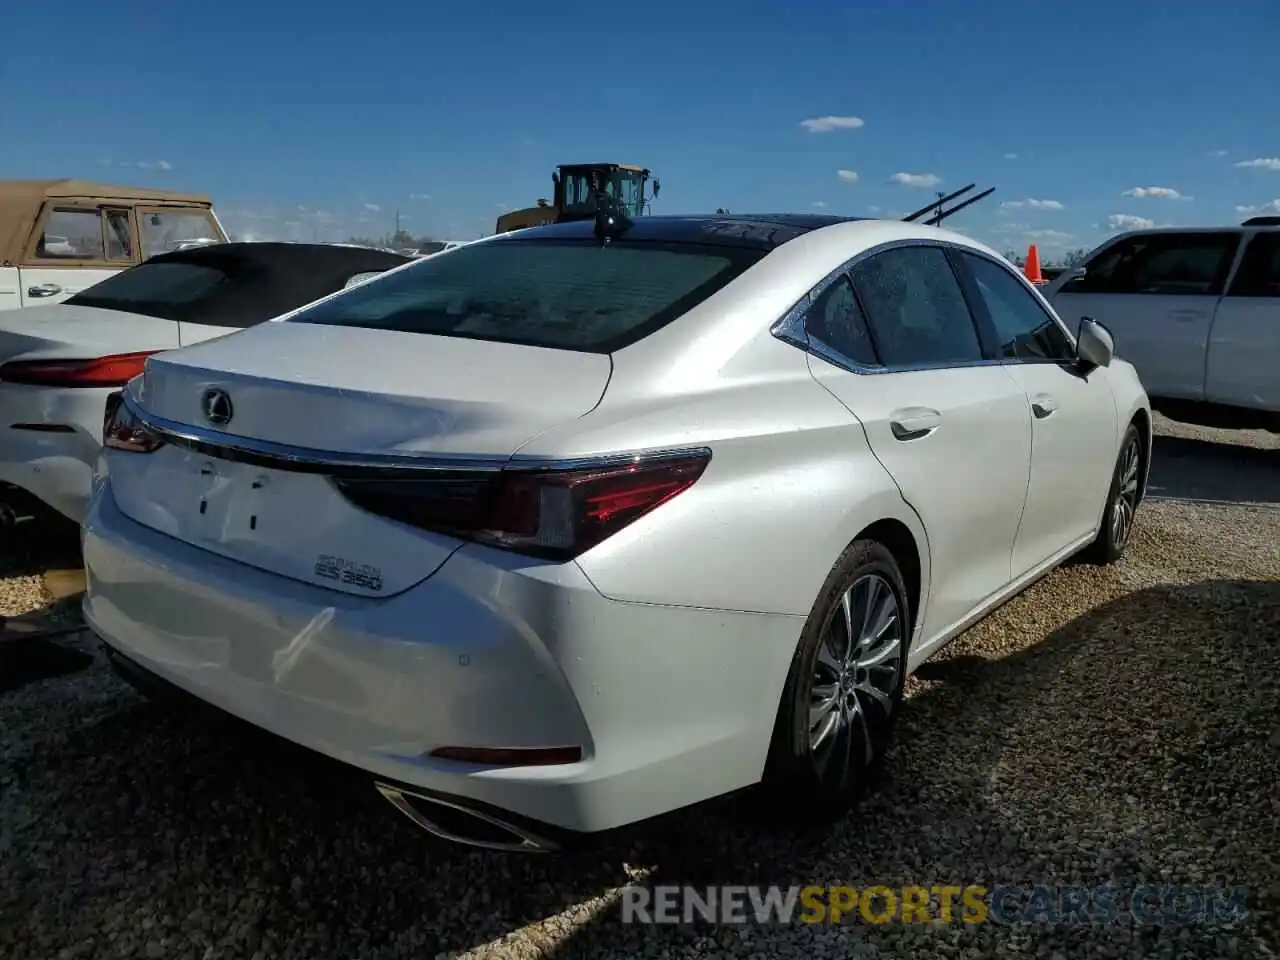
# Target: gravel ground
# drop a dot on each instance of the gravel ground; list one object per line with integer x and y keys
{"x": 1108, "y": 726}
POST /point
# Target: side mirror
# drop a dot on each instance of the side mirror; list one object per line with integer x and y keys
{"x": 1094, "y": 344}
{"x": 657, "y": 186}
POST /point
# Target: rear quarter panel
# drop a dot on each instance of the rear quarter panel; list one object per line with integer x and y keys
{"x": 791, "y": 483}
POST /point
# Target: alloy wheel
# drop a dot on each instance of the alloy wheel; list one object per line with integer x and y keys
{"x": 856, "y": 678}
{"x": 1126, "y": 504}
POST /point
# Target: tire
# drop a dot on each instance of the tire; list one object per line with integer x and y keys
{"x": 1122, "y": 504}
{"x": 810, "y": 778}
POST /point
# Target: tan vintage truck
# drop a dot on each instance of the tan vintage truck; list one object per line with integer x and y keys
{"x": 59, "y": 236}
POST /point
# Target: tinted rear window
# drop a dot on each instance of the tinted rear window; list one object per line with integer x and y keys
{"x": 564, "y": 294}
{"x": 153, "y": 289}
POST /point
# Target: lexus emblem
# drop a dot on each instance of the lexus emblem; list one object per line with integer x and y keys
{"x": 216, "y": 405}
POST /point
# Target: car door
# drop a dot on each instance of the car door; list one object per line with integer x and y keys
{"x": 1156, "y": 292}
{"x": 896, "y": 344}
{"x": 1243, "y": 367}
{"x": 72, "y": 248}
{"x": 1074, "y": 437}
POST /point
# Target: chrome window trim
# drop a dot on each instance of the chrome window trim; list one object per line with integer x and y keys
{"x": 296, "y": 459}
{"x": 791, "y": 329}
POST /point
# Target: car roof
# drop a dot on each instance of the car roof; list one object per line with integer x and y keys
{"x": 757, "y": 231}
{"x": 266, "y": 279}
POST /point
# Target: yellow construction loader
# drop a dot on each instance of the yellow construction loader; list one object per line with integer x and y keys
{"x": 577, "y": 186}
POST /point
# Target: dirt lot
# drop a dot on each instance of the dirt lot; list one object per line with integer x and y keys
{"x": 1109, "y": 726}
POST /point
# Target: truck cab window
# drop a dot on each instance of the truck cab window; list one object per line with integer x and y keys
{"x": 71, "y": 235}
{"x": 1188, "y": 264}
{"x": 1259, "y": 274}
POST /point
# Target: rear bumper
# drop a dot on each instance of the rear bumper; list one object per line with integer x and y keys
{"x": 671, "y": 706}
{"x": 54, "y": 465}
{"x": 449, "y": 817}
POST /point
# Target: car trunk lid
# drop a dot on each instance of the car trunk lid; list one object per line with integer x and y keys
{"x": 307, "y": 402}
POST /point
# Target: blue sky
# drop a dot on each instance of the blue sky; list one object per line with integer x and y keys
{"x": 321, "y": 119}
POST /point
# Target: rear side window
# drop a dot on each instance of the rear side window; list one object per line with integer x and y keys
{"x": 836, "y": 320}
{"x": 568, "y": 295}
{"x": 153, "y": 289}
{"x": 1259, "y": 273}
{"x": 916, "y": 307}
{"x": 1187, "y": 264}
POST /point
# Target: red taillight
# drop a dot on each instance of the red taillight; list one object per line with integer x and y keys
{"x": 556, "y": 514}
{"x": 113, "y": 371}
{"x": 121, "y": 430}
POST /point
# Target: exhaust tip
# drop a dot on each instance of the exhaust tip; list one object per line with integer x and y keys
{"x": 458, "y": 824}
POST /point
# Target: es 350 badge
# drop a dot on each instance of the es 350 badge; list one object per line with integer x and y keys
{"x": 348, "y": 572}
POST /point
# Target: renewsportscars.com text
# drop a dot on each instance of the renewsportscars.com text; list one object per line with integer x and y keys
{"x": 1154, "y": 904}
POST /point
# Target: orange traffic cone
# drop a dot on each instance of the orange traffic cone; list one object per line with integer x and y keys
{"x": 1032, "y": 269}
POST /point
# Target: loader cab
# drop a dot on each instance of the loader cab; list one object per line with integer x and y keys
{"x": 576, "y": 184}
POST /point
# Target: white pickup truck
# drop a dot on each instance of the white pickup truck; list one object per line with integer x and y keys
{"x": 58, "y": 237}
{"x": 1196, "y": 310}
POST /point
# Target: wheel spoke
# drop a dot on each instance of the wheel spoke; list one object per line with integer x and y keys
{"x": 876, "y": 694}
{"x": 828, "y": 662}
{"x": 825, "y": 698}
{"x": 869, "y": 608}
{"x": 878, "y": 657}
{"x": 820, "y": 733}
{"x": 879, "y": 618}
{"x": 846, "y": 622}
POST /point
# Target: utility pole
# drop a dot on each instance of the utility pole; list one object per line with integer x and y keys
{"x": 397, "y": 233}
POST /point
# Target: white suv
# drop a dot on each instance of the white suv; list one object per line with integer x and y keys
{"x": 1196, "y": 310}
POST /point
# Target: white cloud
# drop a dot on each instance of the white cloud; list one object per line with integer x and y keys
{"x": 1218, "y": 153}
{"x": 372, "y": 207}
{"x": 1261, "y": 163}
{"x": 819, "y": 203}
{"x": 1126, "y": 221}
{"x": 419, "y": 196}
{"x": 148, "y": 164}
{"x": 1011, "y": 156}
{"x": 874, "y": 209}
{"x": 1047, "y": 236}
{"x": 1161, "y": 193}
{"x": 827, "y": 124}
{"x": 848, "y": 176}
{"x": 1033, "y": 204}
{"x": 319, "y": 216}
{"x": 1270, "y": 207}
{"x": 916, "y": 179}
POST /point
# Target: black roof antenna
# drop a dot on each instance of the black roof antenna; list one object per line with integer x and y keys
{"x": 936, "y": 206}
{"x": 611, "y": 222}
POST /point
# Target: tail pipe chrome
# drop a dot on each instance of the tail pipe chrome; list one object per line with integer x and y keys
{"x": 459, "y": 824}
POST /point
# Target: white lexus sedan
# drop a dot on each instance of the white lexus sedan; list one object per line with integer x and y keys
{"x": 570, "y": 528}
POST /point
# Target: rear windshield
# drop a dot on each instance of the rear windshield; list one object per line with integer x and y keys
{"x": 564, "y": 294}
{"x": 153, "y": 289}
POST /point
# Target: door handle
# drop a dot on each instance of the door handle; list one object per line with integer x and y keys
{"x": 912, "y": 423}
{"x": 1043, "y": 405}
{"x": 44, "y": 290}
